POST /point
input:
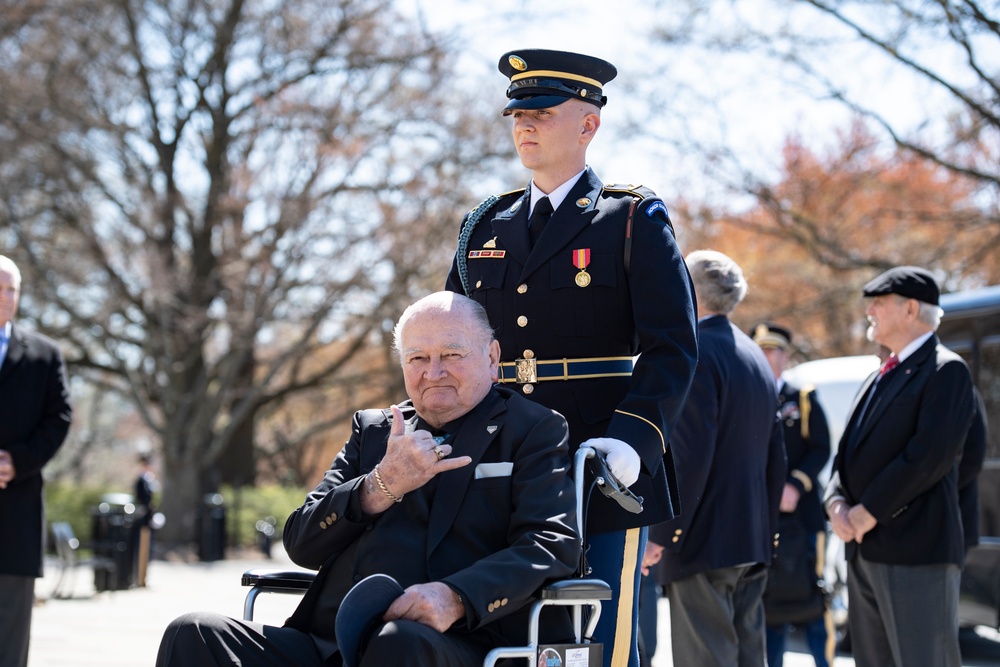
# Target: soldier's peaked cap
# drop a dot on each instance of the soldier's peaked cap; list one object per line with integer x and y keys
{"x": 768, "y": 334}
{"x": 540, "y": 78}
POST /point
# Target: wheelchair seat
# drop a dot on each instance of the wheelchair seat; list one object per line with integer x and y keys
{"x": 580, "y": 593}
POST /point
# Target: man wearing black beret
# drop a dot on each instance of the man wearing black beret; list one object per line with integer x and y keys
{"x": 893, "y": 498}
{"x": 578, "y": 278}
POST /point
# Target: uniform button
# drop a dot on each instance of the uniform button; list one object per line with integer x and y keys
{"x": 479, "y": 283}
{"x": 675, "y": 540}
{"x": 333, "y": 518}
{"x": 522, "y": 321}
{"x": 678, "y": 531}
{"x": 522, "y": 288}
{"x": 529, "y": 354}
{"x": 503, "y": 603}
{"x": 489, "y": 607}
{"x": 528, "y": 388}
{"x": 322, "y": 524}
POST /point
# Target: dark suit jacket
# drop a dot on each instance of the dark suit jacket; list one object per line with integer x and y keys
{"x": 34, "y": 419}
{"x": 901, "y": 463}
{"x": 807, "y": 447}
{"x": 495, "y": 540}
{"x": 730, "y": 459}
{"x": 973, "y": 455}
{"x": 646, "y": 307}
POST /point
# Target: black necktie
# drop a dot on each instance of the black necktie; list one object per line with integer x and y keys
{"x": 540, "y": 216}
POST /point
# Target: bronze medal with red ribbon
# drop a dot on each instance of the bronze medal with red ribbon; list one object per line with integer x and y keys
{"x": 581, "y": 259}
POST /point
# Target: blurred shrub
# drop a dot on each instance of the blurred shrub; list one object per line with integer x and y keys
{"x": 244, "y": 508}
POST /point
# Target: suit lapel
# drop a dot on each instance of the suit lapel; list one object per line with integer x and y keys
{"x": 474, "y": 437}
{"x": 566, "y": 223}
{"x": 15, "y": 352}
{"x": 892, "y": 384}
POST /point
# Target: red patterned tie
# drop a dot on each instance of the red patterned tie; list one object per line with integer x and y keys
{"x": 889, "y": 364}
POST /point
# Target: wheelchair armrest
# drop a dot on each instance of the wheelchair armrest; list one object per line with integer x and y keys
{"x": 284, "y": 580}
{"x": 577, "y": 589}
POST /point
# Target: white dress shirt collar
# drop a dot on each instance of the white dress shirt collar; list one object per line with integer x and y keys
{"x": 557, "y": 196}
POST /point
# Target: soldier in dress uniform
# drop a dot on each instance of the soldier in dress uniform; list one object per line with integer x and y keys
{"x": 578, "y": 278}
{"x": 807, "y": 446}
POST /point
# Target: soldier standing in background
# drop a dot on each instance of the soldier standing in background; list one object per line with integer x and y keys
{"x": 794, "y": 594}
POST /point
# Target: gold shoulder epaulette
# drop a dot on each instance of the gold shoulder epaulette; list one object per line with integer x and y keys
{"x": 619, "y": 187}
{"x": 805, "y": 407}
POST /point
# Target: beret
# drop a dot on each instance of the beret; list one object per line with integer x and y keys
{"x": 911, "y": 282}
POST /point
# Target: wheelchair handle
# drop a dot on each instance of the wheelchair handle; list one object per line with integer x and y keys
{"x": 606, "y": 481}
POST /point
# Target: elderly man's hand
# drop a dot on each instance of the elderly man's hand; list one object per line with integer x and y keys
{"x": 652, "y": 556}
{"x": 789, "y": 498}
{"x": 410, "y": 461}
{"x": 433, "y": 604}
{"x": 862, "y": 520}
{"x": 839, "y": 521}
{"x": 7, "y": 470}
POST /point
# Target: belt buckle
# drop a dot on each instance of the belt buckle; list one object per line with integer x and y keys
{"x": 527, "y": 370}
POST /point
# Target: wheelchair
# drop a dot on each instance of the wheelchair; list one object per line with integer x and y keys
{"x": 584, "y": 595}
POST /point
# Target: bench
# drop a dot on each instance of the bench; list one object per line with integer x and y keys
{"x": 67, "y": 548}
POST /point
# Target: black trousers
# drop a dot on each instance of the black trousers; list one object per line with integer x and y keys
{"x": 16, "y": 603}
{"x": 203, "y": 639}
{"x": 717, "y": 617}
{"x": 903, "y": 615}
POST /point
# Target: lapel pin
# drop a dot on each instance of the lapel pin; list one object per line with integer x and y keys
{"x": 491, "y": 429}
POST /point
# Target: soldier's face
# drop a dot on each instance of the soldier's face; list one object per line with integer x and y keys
{"x": 446, "y": 369}
{"x": 556, "y": 136}
{"x": 777, "y": 358}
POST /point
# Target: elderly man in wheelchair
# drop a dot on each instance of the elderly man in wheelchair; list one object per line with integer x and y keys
{"x": 433, "y": 530}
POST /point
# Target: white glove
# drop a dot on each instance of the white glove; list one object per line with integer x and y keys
{"x": 622, "y": 459}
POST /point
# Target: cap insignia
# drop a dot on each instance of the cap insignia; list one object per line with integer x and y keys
{"x": 517, "y": 63}
{"x": 762, "y": 331}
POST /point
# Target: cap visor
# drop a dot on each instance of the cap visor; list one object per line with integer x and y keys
{"x": 362, "y": 608}
{"x": 535, "y": 102}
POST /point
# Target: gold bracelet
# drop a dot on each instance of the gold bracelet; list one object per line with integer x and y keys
{"x": 385, "y": 490}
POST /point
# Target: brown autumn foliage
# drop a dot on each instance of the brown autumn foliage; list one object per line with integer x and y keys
{"x": 834, "y": 220}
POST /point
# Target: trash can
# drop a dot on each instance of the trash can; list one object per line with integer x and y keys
{"x": 112, "y": 543}
{"x": 212, "y": 528}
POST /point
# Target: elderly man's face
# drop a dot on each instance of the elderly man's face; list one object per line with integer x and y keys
{"x": 889, "y": 317}
{"x": 10, "y": 291}
{"x": 446, "y": 369}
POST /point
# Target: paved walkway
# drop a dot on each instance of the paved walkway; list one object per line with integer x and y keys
{"x": 123, "y": 628}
